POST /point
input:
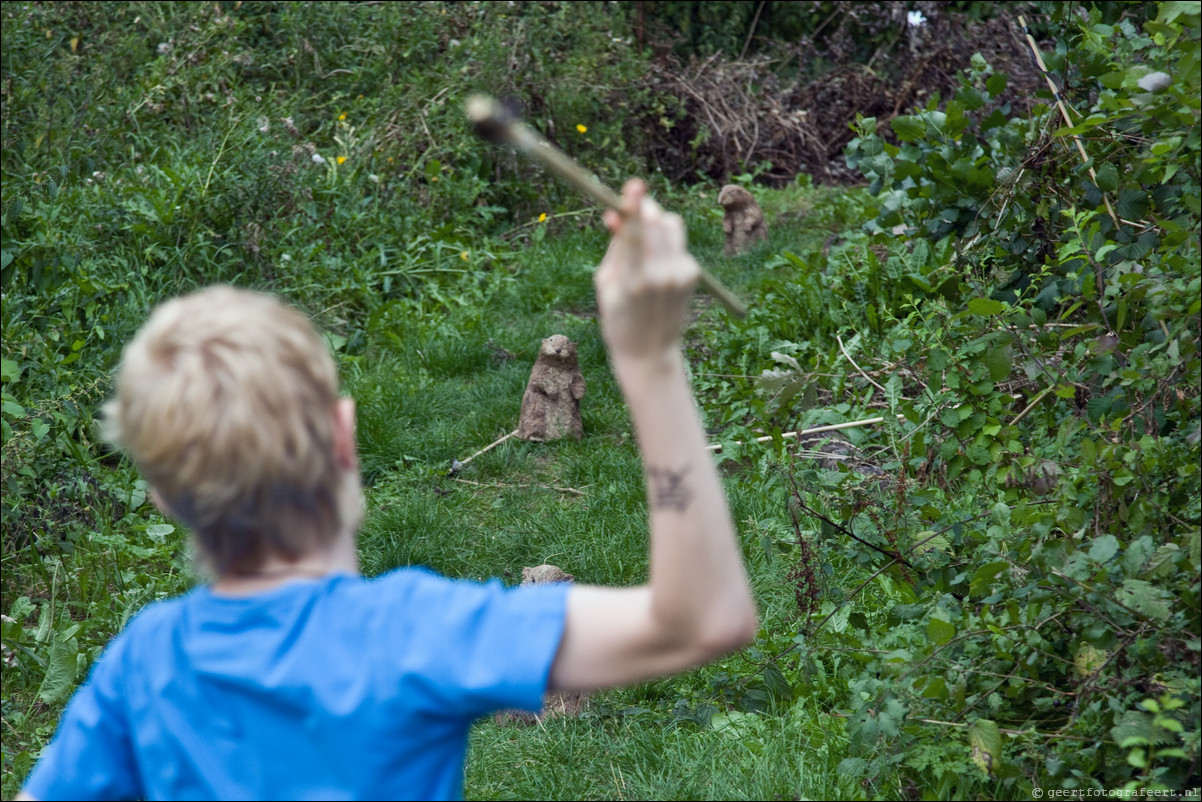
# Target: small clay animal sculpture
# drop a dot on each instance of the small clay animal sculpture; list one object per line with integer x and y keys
{"x": 743, "y": 221}
{"x": 551, "y": 404}
{"x": 540, "y": 574}
{"x": 554, "y": 704}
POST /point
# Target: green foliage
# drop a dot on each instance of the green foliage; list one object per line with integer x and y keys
{"x": 996, "y": 591}
{"x": 1045, "y": 510}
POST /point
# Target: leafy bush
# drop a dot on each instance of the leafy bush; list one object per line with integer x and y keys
{"x": 1039, "y": 539}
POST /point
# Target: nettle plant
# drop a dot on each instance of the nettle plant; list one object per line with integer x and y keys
{"x": 1040, "y": 540}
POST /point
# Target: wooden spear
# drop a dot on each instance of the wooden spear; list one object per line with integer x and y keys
{"x": 494, "y": 123}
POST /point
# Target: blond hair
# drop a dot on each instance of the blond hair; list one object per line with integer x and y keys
{"x": 225, "y": 400}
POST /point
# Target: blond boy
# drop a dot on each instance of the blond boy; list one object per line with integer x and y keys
{"x": 290, "y": 675}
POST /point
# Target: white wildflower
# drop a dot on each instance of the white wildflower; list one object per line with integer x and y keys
{"x": 318, "y": 159}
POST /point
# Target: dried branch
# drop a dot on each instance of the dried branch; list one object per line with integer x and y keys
{"x": 501, "y": 486}
{"x": 859, "y": 369}
{"x": 804, "y": 432}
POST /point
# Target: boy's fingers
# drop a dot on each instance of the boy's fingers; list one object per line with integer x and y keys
{"x": 633, "y": 192}
{"x": 646, "y": 242}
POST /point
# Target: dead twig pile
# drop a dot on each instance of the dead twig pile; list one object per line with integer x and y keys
{"x": 742, "y": 116}
{"x": 734, "y": 117}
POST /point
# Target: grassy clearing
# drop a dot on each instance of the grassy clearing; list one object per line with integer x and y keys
{"x": 180, "y": 172}
{"x": 441, "y": 382}
{"x": 442, "y": 387}
{"x": 621, "y": 755}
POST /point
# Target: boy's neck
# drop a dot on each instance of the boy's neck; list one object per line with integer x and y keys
{"x": 275, "y": 571}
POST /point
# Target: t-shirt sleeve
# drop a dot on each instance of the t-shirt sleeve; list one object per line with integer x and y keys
{"x": 91, "y": 756}
{"x": 472, "y": 648}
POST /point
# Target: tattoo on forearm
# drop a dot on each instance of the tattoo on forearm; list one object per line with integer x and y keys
{"x": 668, "y": 490}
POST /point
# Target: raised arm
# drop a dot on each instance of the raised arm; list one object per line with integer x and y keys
{"x": 697, "y": 604}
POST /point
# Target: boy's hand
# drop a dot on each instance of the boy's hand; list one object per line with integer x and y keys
{"x": 646, "y": 278}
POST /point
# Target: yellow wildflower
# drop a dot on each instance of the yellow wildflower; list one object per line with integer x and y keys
{"x": 341, "y": 159}
{"x": 582, "y": 129}
{"x": 342, "y": 116}
{"x": 542, "y": 218}
{"x": 463, "y": 256}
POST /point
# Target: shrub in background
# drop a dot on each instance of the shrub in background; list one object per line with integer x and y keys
{"x": 1044, "y": 623}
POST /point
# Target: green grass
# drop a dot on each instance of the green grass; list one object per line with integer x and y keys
{"x": 623, "y": 752}
{"x": 433, "y": 396}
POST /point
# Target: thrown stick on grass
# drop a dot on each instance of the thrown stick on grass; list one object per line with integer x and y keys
{"x": 458, "y": 465}
{"x": 501, "y": 486}
{"x": 805, "y": 432}
{"x": 494, "y": 123}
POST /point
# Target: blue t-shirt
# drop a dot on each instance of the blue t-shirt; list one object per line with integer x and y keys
{"x": 338, "y": 688}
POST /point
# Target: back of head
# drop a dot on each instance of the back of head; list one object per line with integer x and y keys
{"x": 225, "y": 400}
